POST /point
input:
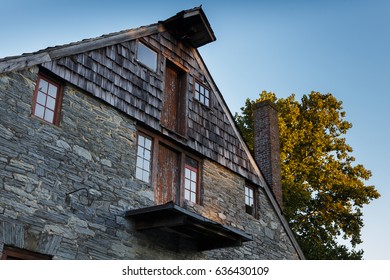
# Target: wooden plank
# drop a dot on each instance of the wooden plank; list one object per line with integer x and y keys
{"x": 102, "y": 42}
{"x": 16, "y": 63}
{"x": 171, "y": 99}
{"x": 168, "y": 183}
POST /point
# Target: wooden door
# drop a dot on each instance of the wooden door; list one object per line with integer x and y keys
{"x": 170, "y": 107}
{"x": 173, "y": 114}
{"x": 168, "y": 176}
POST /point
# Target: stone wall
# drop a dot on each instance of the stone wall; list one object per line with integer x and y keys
{"x": 64, "y": 190}
{"x": 224, "y": 203}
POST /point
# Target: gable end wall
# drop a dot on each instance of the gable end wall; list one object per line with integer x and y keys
{"x": 113, "y": 75}
{"x": 64, "y": 190}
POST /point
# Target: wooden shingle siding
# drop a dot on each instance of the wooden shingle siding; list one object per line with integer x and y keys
{"x": 113, "y": 74}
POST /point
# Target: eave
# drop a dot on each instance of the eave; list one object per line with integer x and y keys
{"x": 204, "y": 233}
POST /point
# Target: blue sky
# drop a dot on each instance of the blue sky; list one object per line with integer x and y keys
{"x": 336, "y": 46}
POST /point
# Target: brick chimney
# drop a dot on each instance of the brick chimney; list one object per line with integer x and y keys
{"x": 266, "y": 145}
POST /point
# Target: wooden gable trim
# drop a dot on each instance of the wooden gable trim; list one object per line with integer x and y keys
{"x": 102, "y": 42}
{"x": 50, "y": 54}
{"x": 24, "y": 61}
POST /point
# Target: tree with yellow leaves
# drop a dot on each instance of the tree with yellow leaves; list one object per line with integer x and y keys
{"x": 323, "y": 191}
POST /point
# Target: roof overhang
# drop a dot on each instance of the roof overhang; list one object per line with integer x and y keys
{"x": 191, "y": 26}
{"x": 204, "y": 233}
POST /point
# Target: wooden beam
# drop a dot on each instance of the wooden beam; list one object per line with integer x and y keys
{"x": 104, "y": 41}
{"x": 16, "y": 63}
{"x": 28, "y": 60}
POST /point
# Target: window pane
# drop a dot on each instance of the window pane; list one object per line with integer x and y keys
{"x": 147, "y": 155}
{"x": 193, "y": 197}
{"x": 43, "y": 85}
{"x": 193, "y": 187}
{"x": 187, "y": 184}
{"x": 147, "y": 56}
{"x": 188, "y": 173}
{"x": 39, "y": 111}
{"x": 146, "y": 164}
{"x": 197, "y": 95}
{"x": 49, "y": 115}
{"x": 41, "y": 98}
{"x": 138, "y": 174}
{"x": 187, "y": 195}
{"x": 51, "y": 103}
{"x": 145, "y": 176}
{"x": 52, "y": 90}
{"x": 206, "y": 102}
{"x": 139, "y": 162}
{"x": 148, "y": 144}
{"x": 140, "y": 151}
{"x": 193, "y": 176}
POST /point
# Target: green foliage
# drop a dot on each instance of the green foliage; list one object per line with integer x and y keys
{"x": 323, "y": 192}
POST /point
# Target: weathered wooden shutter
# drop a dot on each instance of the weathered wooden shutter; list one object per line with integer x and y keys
{"x": 171, "y": 100}
{"x": 168, "y": 175}
{"x": 173, "y": 108}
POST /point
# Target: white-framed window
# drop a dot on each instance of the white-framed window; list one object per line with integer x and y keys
{"x": 144, "y": 158}
{"x": 191, "y": 180}
{"x": 250, "y": 200}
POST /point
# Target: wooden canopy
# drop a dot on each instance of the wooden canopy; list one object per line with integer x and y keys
{"x": 204, "y": 233}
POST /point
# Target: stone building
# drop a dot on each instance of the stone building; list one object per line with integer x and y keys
{"x": 122, "y": 147}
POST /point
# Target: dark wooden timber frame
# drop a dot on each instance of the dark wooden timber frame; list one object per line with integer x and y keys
{"x": 157, "y": 140}
{"x": 204, "y": 233}
{"x": 12, "y": 253}
{"x": 58, "y": 104}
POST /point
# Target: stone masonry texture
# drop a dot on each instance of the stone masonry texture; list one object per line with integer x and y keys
{"x": 64, "y": 189}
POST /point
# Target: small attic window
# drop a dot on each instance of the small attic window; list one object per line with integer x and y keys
{"x": 147, "y": 56}
{"x": 202, "y": 94}
{"x": 47, "y": 99}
